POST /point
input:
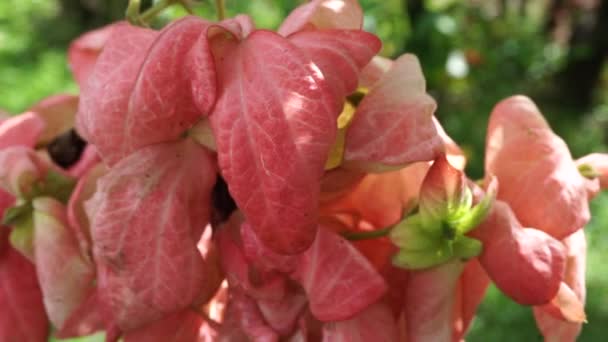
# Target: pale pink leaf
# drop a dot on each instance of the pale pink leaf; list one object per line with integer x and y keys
{"x": 526, "y": 264}
{"x": 454, "y": 153}
{"x": 245, "y": 321}
{"x": 58, "y": 113}
{"x": 375, "y": 323}
{"x": 538, "y": 177}
{"x": 177, "y": 327}
{"x": 339, "y": 281}
{"x": 84, "y": 51}
{"x": 21, "y": 169}
{"x": 255, "y": 282}
{"x": 147, "y": 217}
{"x": 340, "y": 55}
{"x": 66, "y": 276}
{"x": 471, "y": 289}
{"x": 147, "y": 87}
{"x": 263, "y": 257}
{"x": 91, "y": 316}
{"x": 557, "y": 320}
{"x": 393, "y": 125}
{"x": 444, "y": 188}
{"x": 77, "y": 216}
{"x": 24, "y": 130}
{"x": 381, "y": 199}
{"x": 282, "y": 315}
{"x": 323, "y": 14}
{"x": 374, "y": 71}
{"x": 430, "y": 296}
{"x": 274, "y": 124}
{"x": 22, "y": 317}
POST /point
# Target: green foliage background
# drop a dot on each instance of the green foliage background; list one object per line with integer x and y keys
{"x": 497, "y": 48}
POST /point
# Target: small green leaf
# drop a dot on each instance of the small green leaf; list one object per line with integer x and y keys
{"x": 456, "y": 211}
{"x": 467, "y": 248}
{"x": 410, "y": 235}
{"x": 56, "y": 185}
{"x": 22, "y": 236}
{"x": 478, "y": 213}
{"x": 416, "y": 260}
{"x": 16, "y": 213}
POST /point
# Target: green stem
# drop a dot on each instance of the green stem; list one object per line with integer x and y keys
{"x": 221, "y": 9}
{"x": 132, "y": 12}
{"x": 372, "y": 234}
{"x": 153, "y": 11}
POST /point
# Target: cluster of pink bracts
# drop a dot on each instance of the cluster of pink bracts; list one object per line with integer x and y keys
{"x": 322, "y": 145}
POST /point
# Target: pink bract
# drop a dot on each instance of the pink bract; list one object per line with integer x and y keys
{"x": 142, "y": 102}
{"x": 22, "y": 317}
{"x": 398, "y": 107}
{"x": 274, "y": 123}
{"x": 538, "y": 177}
{"x": 323, "y": 14}
{"x": 66, "y": 276}
{"x": 339, "y": 281}
{"x": 23, "y": 130}
{"x": 527, "y": 264}
{"x": 84, "y": 52}
{"x": 147, "y": 217}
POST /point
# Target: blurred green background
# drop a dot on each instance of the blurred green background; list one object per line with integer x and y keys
{"x": 473, "y": 53}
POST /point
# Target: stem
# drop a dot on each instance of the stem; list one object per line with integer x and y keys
{"x": 132, "y": 12}
{"x": 372, "y": 234}
{"x": 153, "y": 11}
{"x": 186, "y": 5}
{"x": 221, "y": 9}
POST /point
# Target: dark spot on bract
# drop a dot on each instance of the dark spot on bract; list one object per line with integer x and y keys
{"x": 65, "y": 150}
{"x": 222, "y": 202}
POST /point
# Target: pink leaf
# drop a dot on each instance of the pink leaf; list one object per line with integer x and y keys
{"x": 253, "y": 281}
{"x": 24, "y": 130}
{"x": 65, "y": 275}
{"x": 375, "y": 323}
{"x": 340, "y": 55}
{"x": 77, "y": 217}
{"x": 471, "y": 289}
{"x": 538, "y": 177}
{"x": 557, "y": 320}
{"x": 84, "y": 51}
{"x": 22, "y": 317}
{"x": 138, "y": 93}
{"x": 147, "y": 217}
{"x": 263, "y": 257}
{"x": 274, "y": 125}
{"x": 91, "y": 316}
{"x": 282, "y": 315}
{"x": 381, "y": 199}
{"x": 443, "y": 188}
{"x": 393, "y": 125}
{"x": 430, "y": 297}
{"x": 323, "y": 14}
{"x": 374, "y": 71}
{"x": 178, "y": 327}
{"x": 88, "y": 160}
{"x": 339, "y": 281}
{"x": 526, "y": 264}
{"x": 21, "y": 169}
{"x": 58, "y": 113}
{"x": 245, "y": 318}
{"x": 454, "y": 153}
{"x": 6, "y": 201}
